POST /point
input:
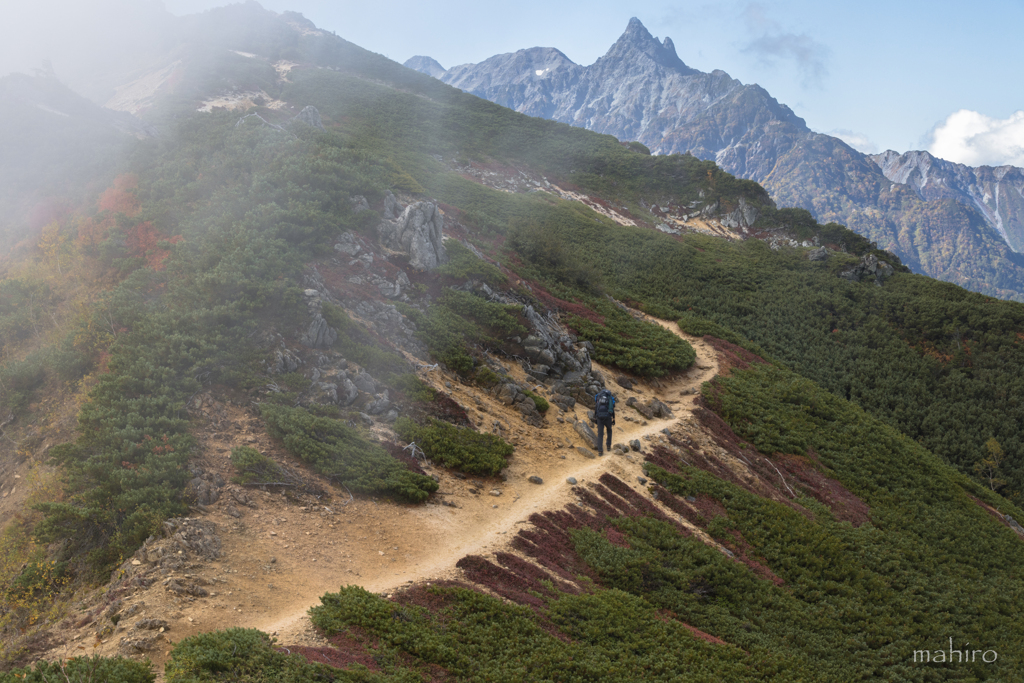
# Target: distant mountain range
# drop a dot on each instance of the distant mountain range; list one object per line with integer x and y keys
{"x": 956, "y": 223}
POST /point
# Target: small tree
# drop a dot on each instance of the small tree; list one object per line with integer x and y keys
{"x": 989, "y": 466}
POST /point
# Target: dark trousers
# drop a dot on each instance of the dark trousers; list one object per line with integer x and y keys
{"x": 602, "y": 424}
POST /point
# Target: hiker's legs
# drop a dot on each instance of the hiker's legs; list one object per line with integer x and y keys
{"x": 609, "y": 420}
{"x": 600, "y": 435}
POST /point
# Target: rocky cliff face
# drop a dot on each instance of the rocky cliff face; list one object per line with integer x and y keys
{"x": 997, "y": 193}
{"x": 946, "y": 220}
{"x": 639, "y": 90}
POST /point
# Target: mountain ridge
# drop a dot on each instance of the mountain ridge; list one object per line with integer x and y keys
{"x": 640, "y": 90}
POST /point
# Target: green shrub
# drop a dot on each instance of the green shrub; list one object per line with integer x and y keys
{"x": 463, "y": 264}
{"x": 486, "y": 377}
{"x": 414, "y": 388}
{"x": 249, "y": 656}
{"x": 698, "y": 327}
{"x": 254, "y": 467}
{"x": 633, "y": 345}
{"x": 457, "y": 447}
{"x": 539, "y": 401}
{"x": 340, "y": 453}
{"x": 83, "y": 670}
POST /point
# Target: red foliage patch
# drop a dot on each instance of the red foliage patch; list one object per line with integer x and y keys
{"x": 616, "y": 537}
{"x": 343, "y": 653}
{"x": 845, "y": 506}
{"x": 503, "y": 582}
{"x": 120, "y": 197}
{"x": 445, "y": 408}
{"x": 553, "y": 303}
{"x": 731, "y": 356}
{"x": 744, "y": 552}
{"x": 142, "y": 241}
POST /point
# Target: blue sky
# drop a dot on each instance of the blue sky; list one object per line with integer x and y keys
{"x": 904, "y": 75}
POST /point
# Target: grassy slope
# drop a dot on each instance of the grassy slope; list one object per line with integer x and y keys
{"x": 244, "y": 196}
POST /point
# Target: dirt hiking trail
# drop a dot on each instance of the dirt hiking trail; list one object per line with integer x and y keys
{"x": 278, "y": 555}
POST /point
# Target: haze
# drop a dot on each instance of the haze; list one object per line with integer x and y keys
{"x": 880, "y": 75}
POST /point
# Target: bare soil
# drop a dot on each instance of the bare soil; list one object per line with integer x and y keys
{"x": 284, "y": 551}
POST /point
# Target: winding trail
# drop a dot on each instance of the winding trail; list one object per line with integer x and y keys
{"x": 280, "y": 555}
{"x": 484, "y": 524}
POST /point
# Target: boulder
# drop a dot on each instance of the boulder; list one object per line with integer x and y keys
{"x": 347, "y": 242}
{"x": 416, "y": 232}
{"x": 869, "y": 266}
{"x": 820, "y": 254}
{"x": 349, "y": 392}
{"x": 309, "y": 116}
{"x": 364, "y": 382}
{"x": 585, "y": 432}
{"x": 320, "y": 335}
{"x": 659, "y": 409}
{"x": 639, "y": 407}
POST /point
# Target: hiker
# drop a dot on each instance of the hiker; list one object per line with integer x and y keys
{"x": 604, "y": 415}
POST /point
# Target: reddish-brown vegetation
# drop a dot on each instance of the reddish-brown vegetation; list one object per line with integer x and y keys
{"x": 731, "y": 356}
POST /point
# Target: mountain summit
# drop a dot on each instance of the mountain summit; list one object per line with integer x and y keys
{"x": 964, "y": 226}
{"x": 639, "y": 90}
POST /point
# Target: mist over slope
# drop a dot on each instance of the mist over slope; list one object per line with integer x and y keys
{"x": 328, "y": 280}
{"x": 959, "y": 230}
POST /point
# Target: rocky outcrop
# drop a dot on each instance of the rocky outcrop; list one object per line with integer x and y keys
{"x": 819, "y": 254}
{"x": 869, "y": 266}
{"x": 417, "y": 231}
{"x": 742, "y": 217}
{"x": 309, "y": 116}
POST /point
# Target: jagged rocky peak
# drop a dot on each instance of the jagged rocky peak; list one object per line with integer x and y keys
{"x": 637, "y": 42}
{"x": 425, "y": 65}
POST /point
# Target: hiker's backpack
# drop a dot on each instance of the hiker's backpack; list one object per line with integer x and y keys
{"x": 605, "y": 404}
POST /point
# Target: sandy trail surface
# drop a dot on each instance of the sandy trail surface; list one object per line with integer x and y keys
{"x": 279, "y": 554}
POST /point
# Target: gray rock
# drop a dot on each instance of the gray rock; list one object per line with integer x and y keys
{"x": 536, "y": 480}
{"x": 642, "y": 480}
{"x": 546, "y": 357}
{"x": 364, "y": 382}
{"x": 391, "y": 206}
{"x": 320, "y": 335}
{"x": 869, "y": 266}
{"x": 659, "y": 409}
{"x": 571, "y": 480}
{"x": 380, "y": 405}
{"x": 203, "y": 492}
{"x": 624, "y": 382}
{"x": 507, "y": 393}
{"x": 349, "y": 392}
{"x": 359, "y": 204}
{"x": 284, "y": 361}
{"x": 584, "y": 430}
{"x": 819, "y": 254}
{"x": 639, "y": 407}
{"x": 309, "y": 116}
{"x": 586, "y": 453}
{"x": 152, "y": 625}
{"x": 635, "y": 444}
{"x": 416, "y": 232}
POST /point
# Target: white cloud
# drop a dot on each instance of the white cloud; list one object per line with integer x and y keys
{"x": 967, "y": 137}
{"x": 859, "y": 141}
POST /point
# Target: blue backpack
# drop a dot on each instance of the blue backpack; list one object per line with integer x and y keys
{"x": 605, "y": 404}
